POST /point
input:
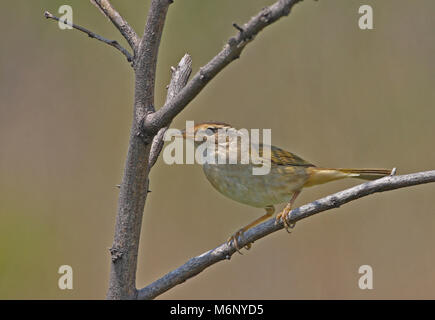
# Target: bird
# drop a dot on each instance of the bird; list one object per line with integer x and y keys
{"x": 288, "y": 174}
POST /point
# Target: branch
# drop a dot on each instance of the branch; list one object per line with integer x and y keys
{"x": 120, "y": 23}
{"x": 134, "y": 186}
{"x": 91, "y": 34}
{"x": 179, "y": 78}
{"x": 224, "y": 252}
{"x": 229, "y": 53}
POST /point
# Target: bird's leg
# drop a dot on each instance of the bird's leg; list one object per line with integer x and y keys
{"x": 283, "y": 215}
{"x": 269, "y": 212}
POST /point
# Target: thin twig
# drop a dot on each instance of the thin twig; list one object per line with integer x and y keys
{"x": 91, "y": 34}
{"x": 225, "y": 251}
{"x": 229, "y": 53}
{"x": 120, "y": 23}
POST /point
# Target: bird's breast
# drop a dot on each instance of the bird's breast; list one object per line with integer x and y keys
{"x": 237, "y": 182}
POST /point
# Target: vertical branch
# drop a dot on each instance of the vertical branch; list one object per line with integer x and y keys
{"x": 134, "y": 186}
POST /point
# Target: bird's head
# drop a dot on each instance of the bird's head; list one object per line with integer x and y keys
{"x": 202, "y": 130}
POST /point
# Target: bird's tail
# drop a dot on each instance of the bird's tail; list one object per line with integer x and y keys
{"x": 323, "y": 175}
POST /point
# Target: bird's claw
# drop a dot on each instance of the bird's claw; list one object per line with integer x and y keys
{"x": 233, "y": 239}
{"x": 284, "y": 217}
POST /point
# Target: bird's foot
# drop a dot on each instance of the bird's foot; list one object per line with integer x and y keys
{"x": 285, "y": 218}
{"x": 234, "y": 239}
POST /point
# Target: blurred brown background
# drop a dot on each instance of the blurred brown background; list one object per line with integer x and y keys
{"x": 330, "y": 92}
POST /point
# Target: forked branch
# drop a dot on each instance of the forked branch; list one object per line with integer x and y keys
{"x": 225, "y": 251}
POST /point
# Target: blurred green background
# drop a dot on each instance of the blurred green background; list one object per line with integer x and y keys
{"x": 330, "y": 92}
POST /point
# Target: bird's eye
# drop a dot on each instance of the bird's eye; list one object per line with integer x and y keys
{"x": 211, "y": 130}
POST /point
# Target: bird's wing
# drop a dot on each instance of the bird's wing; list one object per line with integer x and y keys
{"x": 280, "y": 157}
